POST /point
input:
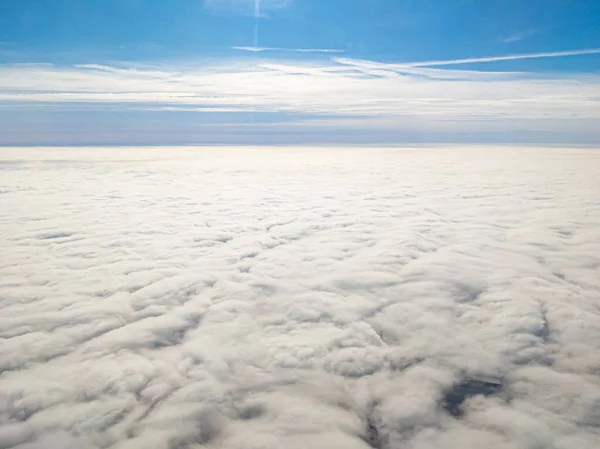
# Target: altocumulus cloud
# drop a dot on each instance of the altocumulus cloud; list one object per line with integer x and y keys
{"x": 323, "y": 298}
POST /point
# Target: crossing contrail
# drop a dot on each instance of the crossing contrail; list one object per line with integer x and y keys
{"x": 256, "y": 19}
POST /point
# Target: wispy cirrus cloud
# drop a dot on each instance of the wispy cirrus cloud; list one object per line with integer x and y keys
{"x": 279, "y": 49}
{"x": 516, "y": 37}
{"x": 337, "y": 94}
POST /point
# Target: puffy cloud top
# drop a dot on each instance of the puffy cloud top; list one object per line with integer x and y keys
{"x": 324, "y": 298}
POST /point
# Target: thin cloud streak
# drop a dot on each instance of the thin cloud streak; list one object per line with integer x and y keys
{"x": 519, "y": 36}
{"x": 249, "y": 8}
{"x": 552, "y": 54}
{"x": 256, "y": 21}
{"x": 257, "y": 49}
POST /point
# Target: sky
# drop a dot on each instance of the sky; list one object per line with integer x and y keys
{"x": 146, "y": 72}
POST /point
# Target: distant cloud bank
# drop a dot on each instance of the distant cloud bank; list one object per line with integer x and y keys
{"x": 327, "y": 96}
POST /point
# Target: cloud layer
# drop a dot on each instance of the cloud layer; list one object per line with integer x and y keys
{"x": 325, "y": 298}
{"x": 339, "y": 95}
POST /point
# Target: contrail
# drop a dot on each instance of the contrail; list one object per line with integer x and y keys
{"x": 551, "y": 54}
{"x": 402, "y": 65}
{"x": 256, "y": 19}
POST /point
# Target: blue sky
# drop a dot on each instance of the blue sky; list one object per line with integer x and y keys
{"x": 229, "y": 71}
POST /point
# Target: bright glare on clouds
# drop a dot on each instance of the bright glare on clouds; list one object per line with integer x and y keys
{"x": 293, "y": 298}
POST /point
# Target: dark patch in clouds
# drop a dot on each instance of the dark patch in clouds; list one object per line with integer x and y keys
{"x": 312, "y": 297}
{"x": 467, "y": 388}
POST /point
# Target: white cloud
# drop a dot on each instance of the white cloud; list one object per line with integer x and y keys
{"x": 376, "y": 94}
{"x": 550, "y": 54}
{"x": 298, "y": 50}
{"x": 516, "y": 37}
{"x": 322, "y": 297}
